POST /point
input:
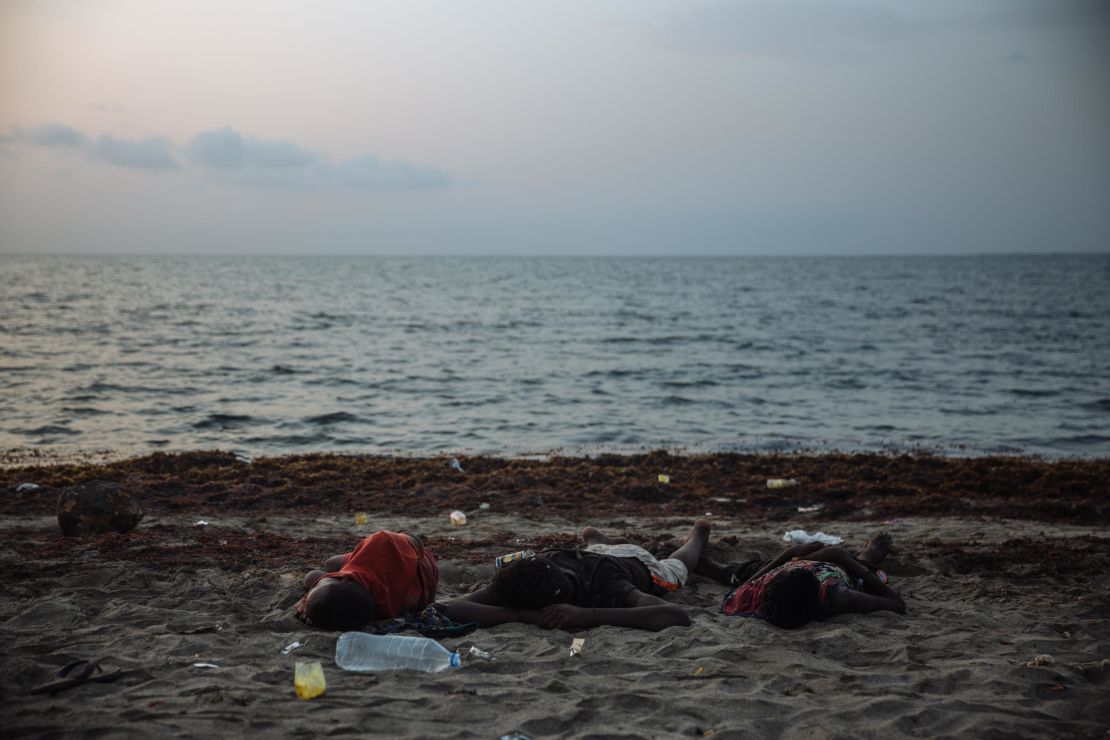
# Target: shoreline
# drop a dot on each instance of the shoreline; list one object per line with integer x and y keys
{"x": 52, "y": 455}
{"x": 839, "y": 485}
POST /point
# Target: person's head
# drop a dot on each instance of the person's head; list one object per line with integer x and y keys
{"x": 531, "y": 584}
{"x": 338, "y": 604}
{"x": 791, "y": 599}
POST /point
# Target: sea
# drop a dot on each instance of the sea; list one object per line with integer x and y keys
{"x": 965, "y": 356}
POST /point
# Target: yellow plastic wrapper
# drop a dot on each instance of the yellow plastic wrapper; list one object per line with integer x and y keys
{"x": 308, "y": 679}
{"x": 664, "y": 478}
{"x": 360, "y": 518}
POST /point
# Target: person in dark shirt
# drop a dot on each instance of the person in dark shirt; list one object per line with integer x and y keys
{"x": 609, "y": 582}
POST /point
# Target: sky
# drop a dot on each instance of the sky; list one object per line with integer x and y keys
{"x": 773, "y": 127}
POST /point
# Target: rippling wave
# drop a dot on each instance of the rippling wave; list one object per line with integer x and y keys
{"x": 274, "y": 355}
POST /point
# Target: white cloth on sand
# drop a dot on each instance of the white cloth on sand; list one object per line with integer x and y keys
{"x": 670, "y": 570}
{"x": 802, "y": 537}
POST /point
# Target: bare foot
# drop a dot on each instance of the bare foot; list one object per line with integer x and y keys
{"x": 876, "y": 549}
{"x": 690, "y": 552}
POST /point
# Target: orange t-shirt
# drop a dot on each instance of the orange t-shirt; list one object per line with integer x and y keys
{"x": 399, "y": 573}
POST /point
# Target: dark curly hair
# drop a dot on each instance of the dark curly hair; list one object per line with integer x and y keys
{"x": 339, "y": 605}
{"x": 531, "y": 584}
{"x": 791, "y": 599}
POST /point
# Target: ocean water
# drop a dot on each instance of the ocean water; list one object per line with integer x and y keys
{"x": 960, "y": 355}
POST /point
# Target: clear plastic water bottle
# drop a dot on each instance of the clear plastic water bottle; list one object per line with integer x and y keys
{"x": 363, "y": 652}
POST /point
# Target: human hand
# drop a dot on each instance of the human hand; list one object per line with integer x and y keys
{"x": 563, "y": 616}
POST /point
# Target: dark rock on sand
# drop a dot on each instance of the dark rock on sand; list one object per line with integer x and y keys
{"x": 96, "y": 507}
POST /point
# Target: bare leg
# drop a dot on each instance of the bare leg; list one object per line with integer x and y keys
{"x": 875, "y": 550}
{"x": 592, "y": 536}
{"x": 690, "y": 552}
{"x": 715, "y": 569}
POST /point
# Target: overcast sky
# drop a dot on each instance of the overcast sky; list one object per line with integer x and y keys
{"x": 562, "y": 127}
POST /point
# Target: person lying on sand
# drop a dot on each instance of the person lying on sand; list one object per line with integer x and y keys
{"x": 386, "y": 575}
{"x": 807, "y": 582}
{"x": 609, "y": 582}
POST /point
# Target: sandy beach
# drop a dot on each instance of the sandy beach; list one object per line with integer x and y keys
{"x": 1000, "y": 560}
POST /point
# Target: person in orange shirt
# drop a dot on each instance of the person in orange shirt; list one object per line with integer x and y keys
{"x": 388, "y": 574}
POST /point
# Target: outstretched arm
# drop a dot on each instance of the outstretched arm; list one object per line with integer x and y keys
{"x": 790, "y": 553}
{"x": 849, "y": 601}
{"x": 876, "y": 596}
{"x": 480, "y": 607}
{"x": 641, "y": 611}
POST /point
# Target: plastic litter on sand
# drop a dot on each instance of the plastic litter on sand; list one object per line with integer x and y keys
{"x": 476, "y": 652}
{"x": 576, "y": 646}
{"x": 802, "y": 537}
{"x": 308, "y": 679}
{"x": 781, "y": 483}
{"x": 366, "y": 653}
{"x": 291, "y": 647}
{"x": 512, "y": 557}
{"x": 458, "y": 518}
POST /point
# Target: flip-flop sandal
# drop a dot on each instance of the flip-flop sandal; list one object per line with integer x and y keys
{"x": 76, "y": 673}
{"x": 457, "y": 630}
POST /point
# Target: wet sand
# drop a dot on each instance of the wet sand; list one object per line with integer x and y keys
{"x": 999, "y": 559}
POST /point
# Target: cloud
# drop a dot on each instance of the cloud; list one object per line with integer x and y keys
{"x": 283, "y": 164}
{"x": 226, "y": 149}
{"x": 370, "y": 173}
{"x": 146, "y": 154}
{"x": 55, "y": 134}
{"x": 241, "y": 160}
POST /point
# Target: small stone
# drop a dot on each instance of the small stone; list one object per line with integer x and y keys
{"x": 96, "y": 507}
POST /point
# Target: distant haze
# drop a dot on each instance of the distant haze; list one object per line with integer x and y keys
{"x": 609, "y": 126}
